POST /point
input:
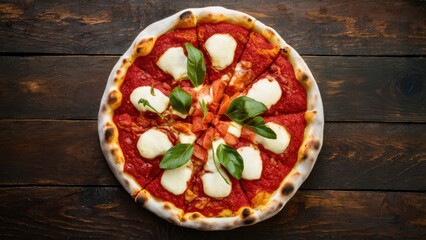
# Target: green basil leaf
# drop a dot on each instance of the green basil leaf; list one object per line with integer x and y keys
{"x": 177, "y": 156}
{"x": 217, "y": 168}
{"x": 180, "y": 100}
{"x": 231, "y": 160}
{"x": 258, "y": 125}
{"x": 146, "y": 103}
{"x": 243, "y": 108}
{"x": 196, "y": 67}
{"x": 204, "y": 108}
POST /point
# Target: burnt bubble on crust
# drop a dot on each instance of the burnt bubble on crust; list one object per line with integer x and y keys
{"x": 249, "y": 221}
{"x": 141, "y": 199}
{"x": 287, "y": 189}
{"x": 245, "y": 213}
{"x": 109, "y": 133}
{"x": 304, "y": 77}
{"x": 112, "y": 97}
{"x": 316, "y": 144}
{"x": 194, "y": 216}
{"x": 186, "y": 15}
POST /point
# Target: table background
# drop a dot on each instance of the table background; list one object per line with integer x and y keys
{"x": 368, "y": 60}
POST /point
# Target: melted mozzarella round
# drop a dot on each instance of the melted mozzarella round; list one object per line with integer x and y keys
{"x": 215, "y": 186}
{"x": 221, "y": 48}
{"x": 187, "y": 138}
{"x": 278, "y": 145}
{"x": 213, "y": 183}
{"x": 174, "y": 62}
{"x": 252, "y": 162}
{"x": 153, "y": 143}
{"x": 160, "y": 101}
{"x": 265, "y": 91}
{"x": 235, "y": 129}
{"x": 176, "y": 180}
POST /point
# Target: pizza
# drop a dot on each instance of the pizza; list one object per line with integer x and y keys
{"x": 211, "y": 120}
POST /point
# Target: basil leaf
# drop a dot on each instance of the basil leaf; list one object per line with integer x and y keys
{"x": 218, "y": 170}
{"x": 243, "y": 108}
{"x": 177, "y": 156}
{"x": 231, "y": 160}
{"x": 146, "y": 103}
{"x": 258, "y": 125}
{"x": 180, "y": 100}
{"x": 196, "y": 67}
{"x": 204, "y": 108}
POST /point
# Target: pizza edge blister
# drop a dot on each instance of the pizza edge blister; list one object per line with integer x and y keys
{"x": 142, "y": 45}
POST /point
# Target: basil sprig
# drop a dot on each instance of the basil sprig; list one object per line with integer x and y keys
{"x": 258, "y": 125}
{"x": 231, "y": 160}
{"x": 177, "y": 156}
{"x": 196, "y": 67}
{"x": 245, "y": 110}
{"x": 146, "y": 103}
{"x": 217, "y": 168}
{"x": 180, "y": 100}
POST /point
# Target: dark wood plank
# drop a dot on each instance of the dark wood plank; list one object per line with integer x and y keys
{"x": 354, "y": 156}
{"x": 382, "y": 89}
{"x": 103, "y": 212}
{"x": 313, "y": 27}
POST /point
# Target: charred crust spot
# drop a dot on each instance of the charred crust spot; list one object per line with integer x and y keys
{"x": 245, "y": 213}
{"x": 113, "y": 151}
{"x": 118, "y": 71}
{"x": 280, "y": 205}
{"x": 167, "y": 207}
{"x": 104, "y": 108}
{"x": 116, "y": 79}
{"x": 249, "y": 20}
{"x": 249, "y": 221}
{"x": 109, "y": 133}
{"x": 126, "y": 182}
{"x": 304, "y": 156}
{"x": 287, "y": 189}
{"x": 304, "y": 77}
{"x": 141, "y": 200}
{"x": 112, "y": 97}
{"x": 270, "y": 32}
{"x": 185, "y": 15}
{"x": 138, "y": 50}
{"x": 316, "y": 145}
{"x": 125, "y": 61}
{"x": 194, "y": 216}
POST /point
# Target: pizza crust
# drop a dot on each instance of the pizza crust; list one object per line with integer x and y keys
{"x": 308, "y": 152}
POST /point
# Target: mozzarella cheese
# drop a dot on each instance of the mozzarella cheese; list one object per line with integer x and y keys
{"x": 221, "y": 48}
{"x": 252, "y": 162}
{"x": 153, "y": 143}
{"x": 174, "y": 62}
{"x": 234, "y": 129}
{"x": 215, "y": 186}
{"x": 213, "y": 183}
{"x": 160, "y": 101}
{"x": 278, "y": 145}
{"x": 266, "y": 91}
{"x": 179, "y": 114}
{"x": 187, "y": 138}
{"x": 176, "y": 180}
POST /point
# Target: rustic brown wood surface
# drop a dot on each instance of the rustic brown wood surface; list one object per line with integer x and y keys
{"x": 367, "y": 56}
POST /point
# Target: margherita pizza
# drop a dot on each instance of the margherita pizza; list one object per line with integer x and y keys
{"x": 210, "y": 120}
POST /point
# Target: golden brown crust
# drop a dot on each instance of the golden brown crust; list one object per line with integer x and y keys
{"x": 112, "y": 98}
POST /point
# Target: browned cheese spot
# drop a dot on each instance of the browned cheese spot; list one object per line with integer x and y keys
{"x": 245, "y": 213}
{"x": 109, "y": 133}
{"x": 186, "y": 15}
{"x": 287, "y": 189}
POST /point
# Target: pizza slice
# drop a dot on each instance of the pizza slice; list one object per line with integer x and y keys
{"x": 257, "y": 56}
{"x": 278, "y": 89}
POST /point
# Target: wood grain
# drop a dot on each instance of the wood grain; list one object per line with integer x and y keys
{"x": 354, "y": 156}
{"x": 382, "y": 89}
{"x": 105, "y": 212}
{"x": 313, "y": 27}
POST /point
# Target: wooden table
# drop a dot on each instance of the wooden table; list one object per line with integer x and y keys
{"x": 367, "y": 57}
